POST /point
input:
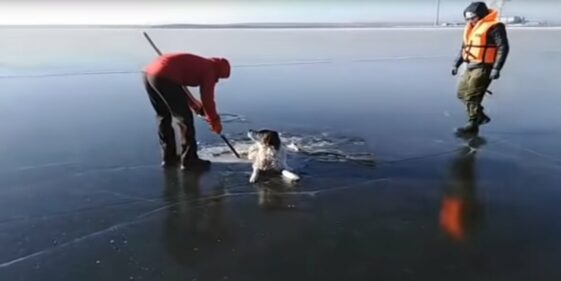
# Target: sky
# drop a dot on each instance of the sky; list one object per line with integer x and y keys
{"x": 248, "y": 11}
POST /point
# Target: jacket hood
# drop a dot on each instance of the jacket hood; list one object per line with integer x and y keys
{"x": 221, "y": 67}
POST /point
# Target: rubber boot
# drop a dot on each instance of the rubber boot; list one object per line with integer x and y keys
{"x": 471, "y": 128}
{"x": 483, "y": 119}
{"x": 195, "y": 164}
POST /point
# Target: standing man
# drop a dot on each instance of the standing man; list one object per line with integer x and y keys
{"x": 164, "y": 80}
{"x": 484, "y": 50}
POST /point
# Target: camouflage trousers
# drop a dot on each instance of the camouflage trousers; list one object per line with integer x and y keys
{"x": 472, "y": 88}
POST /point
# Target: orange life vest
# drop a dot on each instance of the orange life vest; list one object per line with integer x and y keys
{"x": 476, "y": 48}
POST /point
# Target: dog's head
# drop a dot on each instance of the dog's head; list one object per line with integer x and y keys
{"x": 266, "y": 137}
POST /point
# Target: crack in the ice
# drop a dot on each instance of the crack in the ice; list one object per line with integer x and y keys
{"x": 248, "y": 65}
{"x": 311, "y": 193}
{"x": 74, "y": 174}
{"x": 74, "y": 241}
{"x": 115, "y": 169}
{"x": 422, "y": 157}
{"x": 438, "y": 154}
{"x": 40, "y": 166}
{"x": 555, "y": 160}
{"x": 145, "y": 215}
{"x": 71, "y": 212}
{"x": 130, "y": 197}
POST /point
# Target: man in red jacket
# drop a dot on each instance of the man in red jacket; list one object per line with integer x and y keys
{"x": 164, "y": 80}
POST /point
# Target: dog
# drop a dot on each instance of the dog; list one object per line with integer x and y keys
{"x": 268, "y": 155}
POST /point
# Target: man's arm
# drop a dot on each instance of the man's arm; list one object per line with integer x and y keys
{"x": 207, "y": 97}
{"x": 459, "y": 59}
{"x": 193, "y": 103}
{"x": 498, "y": 34}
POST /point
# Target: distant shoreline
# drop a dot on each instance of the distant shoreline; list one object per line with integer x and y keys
{"x": 263, "y": 26}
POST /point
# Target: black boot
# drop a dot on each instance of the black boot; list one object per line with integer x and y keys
{"x": 471, "y": 129}
{"x": 483, "y": 119}
{"x": 169, "y": 156}
{"x": 190, "y": 160}
{"x": 170, "y": 161}
{"x": 195, "y": 164}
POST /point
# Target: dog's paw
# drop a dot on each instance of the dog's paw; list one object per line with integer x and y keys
{"x": 288, "y": 175}
{"x": 254, "y": 176}
{"x": 252, "y": 179}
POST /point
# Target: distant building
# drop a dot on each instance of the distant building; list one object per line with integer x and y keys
{"x": 514, "y": 20}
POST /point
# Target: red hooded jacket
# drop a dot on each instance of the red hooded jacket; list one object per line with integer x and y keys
{"x": 195, "y": 71}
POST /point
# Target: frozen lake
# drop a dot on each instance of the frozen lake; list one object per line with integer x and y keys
{"x": 388, "y": 192}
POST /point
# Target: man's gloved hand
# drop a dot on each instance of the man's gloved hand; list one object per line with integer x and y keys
{"x": 495, "y": 74}
{"x": 197, "y": 109}
{"x": 454, "y": 71}
{"x": 200, "y": 112}
{"x": 216, "y": 125}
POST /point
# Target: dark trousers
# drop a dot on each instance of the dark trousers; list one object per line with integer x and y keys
{"x": 472, "y": 88}
{"x": 169, "y": 99}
